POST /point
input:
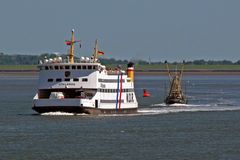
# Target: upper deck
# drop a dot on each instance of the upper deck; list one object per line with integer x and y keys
{"x": 81, "y": 64}
{"x": 77, "y": 75}
{"x": 75, "y": 72}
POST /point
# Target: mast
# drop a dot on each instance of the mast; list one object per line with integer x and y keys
{"x": 181, "y": 72}
{"x": 168, "y": 70}
{"x": 95, "y": 54}
{"x": 71, "y": 51}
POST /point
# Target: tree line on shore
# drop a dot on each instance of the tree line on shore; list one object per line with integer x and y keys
{"x": 6, "y": 59}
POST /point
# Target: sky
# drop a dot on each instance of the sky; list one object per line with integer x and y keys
{"x": 172, "y": 30}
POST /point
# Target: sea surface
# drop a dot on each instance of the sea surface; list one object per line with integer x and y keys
{"x": 208, "y": 127}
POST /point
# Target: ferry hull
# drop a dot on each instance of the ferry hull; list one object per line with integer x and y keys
{"x": 78, "y": 110}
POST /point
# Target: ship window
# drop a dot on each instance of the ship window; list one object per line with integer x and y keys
{"x": 73, "y": 67}
{"x": 58, "y": 80}
{"x": 84, "y": 79}
{"x": 67, "y": 79}
{"x": 94, "y": 67}
{"x": 50, "y": 80}
{"x": 89, "y": 67}
{"x": 61, "y": 67}
{"x": 66, "y": 67}
{"x": 56, "y": 67}
{"x": 75, "y": 79}
{"x": 78, "y": 67}
{"x": 84, "y": 67}
{"x": 51, "y": 67}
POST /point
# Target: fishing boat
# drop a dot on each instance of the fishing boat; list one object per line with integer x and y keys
{"x": 84, "y": 85}
{"x": 175, "y": 94}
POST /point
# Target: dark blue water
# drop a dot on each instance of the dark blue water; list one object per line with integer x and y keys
{"x": 207, "y": 128}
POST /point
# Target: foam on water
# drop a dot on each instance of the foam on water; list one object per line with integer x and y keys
{"x": 61, "y": 114}
{"x": 188, "y": 108}
{"x": 180, "y": 105}
{"x": 158, "y": 110}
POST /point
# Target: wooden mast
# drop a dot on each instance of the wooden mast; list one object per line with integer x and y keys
{"x": 95, "y": 54}
{"x": 71, "y": 51}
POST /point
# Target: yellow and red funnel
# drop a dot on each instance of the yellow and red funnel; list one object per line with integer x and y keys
{"x": 130, "y": 71}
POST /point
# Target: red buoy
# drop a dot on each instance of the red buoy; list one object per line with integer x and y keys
{"x": 146, "y": 93}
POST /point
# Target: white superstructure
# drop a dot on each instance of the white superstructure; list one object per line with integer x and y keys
{"x": 85, "y": 86}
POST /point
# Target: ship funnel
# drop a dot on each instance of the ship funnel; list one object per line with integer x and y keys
{"x": 130, "y": 71}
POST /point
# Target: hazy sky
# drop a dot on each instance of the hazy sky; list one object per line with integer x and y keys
{"x": 162, "y": 29}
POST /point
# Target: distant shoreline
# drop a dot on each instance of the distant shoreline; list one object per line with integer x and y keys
{"x": 137, "y": 72}
{"x": 190, "y": 72}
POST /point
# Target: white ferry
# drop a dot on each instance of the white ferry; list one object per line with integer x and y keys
{"x": 84, "y": 86}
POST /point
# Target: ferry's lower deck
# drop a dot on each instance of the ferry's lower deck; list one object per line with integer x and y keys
{"x": 89, "y": 101}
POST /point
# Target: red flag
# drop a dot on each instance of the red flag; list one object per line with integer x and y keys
{"x": 100, "y": 53}
{"x": 68, "y": 43}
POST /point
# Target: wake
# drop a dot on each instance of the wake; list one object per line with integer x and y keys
{"x": 177, "y": 108}
{"x": 62, "y": 114}
{"x": 156, "y": 109}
